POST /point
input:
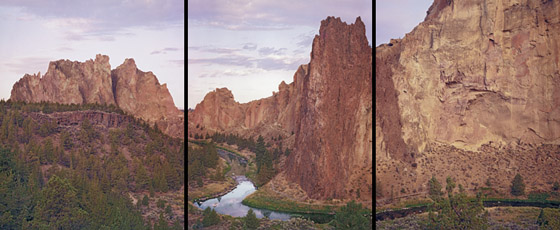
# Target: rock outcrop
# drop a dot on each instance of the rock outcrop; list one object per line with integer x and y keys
{"x": 135, "y": 92}
{"x": 326, "y": 113}
{"x": 475, "y": 73}
{"x": 140, "y": 93}
{"x": 68, "y": 82}
{"x": 333, "y": 143}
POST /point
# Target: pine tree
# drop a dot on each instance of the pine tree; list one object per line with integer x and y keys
{"x": 152, "y": 193}
{"x": 378, "y": 189}
{"x": 210, "y": 156}
{"x": 28, "y": 127}
{"x": 145, "y": 200}
{"x": 351, "y": 217}
{"x": 65, "y": 140}
{"x": 59, "y": 207}
{"x": 540, "y": 219}
{"x": 517, "y": 186}
{"x": 142, "y": 179}
{"x": 435, "y": 188}
{"x": 210, "y": 217}
{"x": 161, "y": 224}
{"x": 48, "y": 151}
{"x": 177, "y": 225}
{"x": 260, "y": 151}
{"x": 457, "y": 211}
{"x": 250, "y": 220}
{"x": 160, "y": 203}
{"x": 168, "y": 210}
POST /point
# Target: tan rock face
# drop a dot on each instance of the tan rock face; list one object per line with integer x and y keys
{"x": 135, "y": 92}
{"x": 140, "y": 93}
{"x": 473, "y": 73}
{"x": 68, "y": 82}
{"x": 328, "y": 108}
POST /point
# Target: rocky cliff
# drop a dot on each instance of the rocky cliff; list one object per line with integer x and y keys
{"x": 135, "y": 92}
{"x": 333, "y": 142}
{"x": 326, "y": 112}
{"x": 475, "y": 78}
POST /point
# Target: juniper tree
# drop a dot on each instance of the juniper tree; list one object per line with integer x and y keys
{"x": 517, "y": 186}
{"x": 456, "y": 211}
{"x": 250, "y": 220}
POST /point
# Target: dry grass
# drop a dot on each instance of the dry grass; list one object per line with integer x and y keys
{"x": 513, "y": 214}
{"x": 210, "y": 189}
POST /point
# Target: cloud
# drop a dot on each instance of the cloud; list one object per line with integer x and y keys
{"x": 65, "y": 49}
{"x": 89, "y": 19}
{"x": 249, "y": 46}
{"x": 26, "y": 64}
{"x": 269, "y": 50}
{"x": 164, "y": 50}
{"x": 231, "y": 60}
{"x": 272, "y": 14}
{"x": 237, "y": 72}
{"x": 279, "y": 64}
{"x": 264, "y": 63}
{"x": 178, "y": 62}
{"x": 305, "y": 39}
{"x": 212, "y": 49}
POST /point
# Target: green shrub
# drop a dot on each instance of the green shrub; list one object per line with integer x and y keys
{"x": 435, "y": 188}
{"x": 251, "y": 221}
{"x": 145, "y": 200}
{"x": 210, "y": 217}
{"x": 161, "y": 203}
{"x": 517, "y": 186}
{"x": 457, "y": 211}
{"x": 549, "y": 218}
{"x": 351, "y": 216}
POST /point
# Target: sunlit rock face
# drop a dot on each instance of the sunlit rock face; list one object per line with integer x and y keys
{"x": 140, "y": 93}
{"x": 135, "y": 92}
{"x": 325, "y": 113}
{"x": 475, "y": 75}
{"x": 68, "y": 82}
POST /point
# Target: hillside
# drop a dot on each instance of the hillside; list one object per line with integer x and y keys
{"x": 472, "y": 93}
{"x": 86, "y": 166}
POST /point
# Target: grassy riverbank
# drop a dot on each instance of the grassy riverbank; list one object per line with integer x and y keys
{"x": 498, "y": 218}
{"x": 212, "y": 189}
{"x": 263, "y": 198}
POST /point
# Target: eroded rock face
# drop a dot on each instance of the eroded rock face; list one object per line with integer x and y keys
{"x": 333, "y": 144}
{"x": 140, "y": 93}
{"x": 135, "y": 92}
{"x": 68, "y": 82}
{"x": 474, "y": 73}
{"x": 326, "y": 112}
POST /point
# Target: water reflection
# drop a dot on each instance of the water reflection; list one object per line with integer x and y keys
{"x": 230, "y": 204}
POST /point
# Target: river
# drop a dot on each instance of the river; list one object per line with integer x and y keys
{"x": 230, "y": 203}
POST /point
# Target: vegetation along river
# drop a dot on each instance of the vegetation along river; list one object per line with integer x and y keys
{"x": 230, "y": 203}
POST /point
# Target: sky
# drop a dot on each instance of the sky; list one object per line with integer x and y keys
{"x": 35, "y": 32}
{"x": 251, "y": 46}
{"x": 395, "y": 18}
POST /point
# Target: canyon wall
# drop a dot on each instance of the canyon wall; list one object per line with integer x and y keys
{"x": 475, "y": 78}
